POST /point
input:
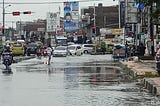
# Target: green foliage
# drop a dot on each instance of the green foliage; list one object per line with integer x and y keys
{"x": 147, "y": 2}
{"x": 100, "y": 47}
{"x": 156, "y": 12}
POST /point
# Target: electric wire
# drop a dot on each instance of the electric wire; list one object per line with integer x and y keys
{"x": 19, "y": 3}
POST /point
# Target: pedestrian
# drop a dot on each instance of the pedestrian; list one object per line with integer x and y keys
{"x": 25, "y": 49}
{"x": 141, "y": 49}
{"x": 126, "y": 50}
{"x": 49, "y": 53}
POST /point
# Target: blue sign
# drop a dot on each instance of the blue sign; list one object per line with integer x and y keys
{"x": 138, "y": 5}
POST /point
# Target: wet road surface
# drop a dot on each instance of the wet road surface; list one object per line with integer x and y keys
{"x": 72, "y": 81}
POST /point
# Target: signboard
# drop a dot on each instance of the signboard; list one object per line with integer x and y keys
{"x": 117, "y": 31}
{"x": 131, "y": 12}
{"x": 71, "y": 16}
{"x": 53, "y": 22}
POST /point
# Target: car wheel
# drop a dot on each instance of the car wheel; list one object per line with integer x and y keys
{"x": 85, "y": 51}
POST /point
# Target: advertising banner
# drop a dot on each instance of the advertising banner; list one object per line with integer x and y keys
{"x": 71, "y": 16}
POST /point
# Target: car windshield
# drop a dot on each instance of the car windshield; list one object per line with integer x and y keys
{"x": 32, "y": 45}
{"x": 17, "y": 45}
{"x": 60, "y": 48}
{"x": 71, "y": 47}
{"x": 88, "y": 45}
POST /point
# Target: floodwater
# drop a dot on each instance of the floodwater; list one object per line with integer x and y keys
{"x": 96, "y": 83}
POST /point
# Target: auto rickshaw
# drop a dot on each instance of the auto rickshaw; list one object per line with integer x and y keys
{"x": 119, "y": 52}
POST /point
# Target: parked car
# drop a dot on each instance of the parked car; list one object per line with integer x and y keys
{"x": 87, "y": 48}
{"x": 75, "y": 49}
{"x": 60, "y": 51}
{"x": 17, "y": 49}
{"x": 31, "y": 48}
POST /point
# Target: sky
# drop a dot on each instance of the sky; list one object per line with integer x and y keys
{"x": 40, "y": 10}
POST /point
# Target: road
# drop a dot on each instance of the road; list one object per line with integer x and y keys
{"x": 87, "y": 80}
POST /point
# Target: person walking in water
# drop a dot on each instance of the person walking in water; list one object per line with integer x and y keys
{"x": 49, "y": 53}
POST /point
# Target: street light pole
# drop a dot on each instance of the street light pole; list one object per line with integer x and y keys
{"x": 3, "y": 26}
{"x": 3, "y": 13}
{"x": 95, "y": 20}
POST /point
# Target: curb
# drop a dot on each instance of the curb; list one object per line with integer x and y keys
{"x": 151, "y": 84}
{"x": 138, "y": 71}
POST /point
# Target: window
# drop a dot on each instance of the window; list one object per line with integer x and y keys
{"x": 88, "y": 45}
{"x": 78, "y": 47}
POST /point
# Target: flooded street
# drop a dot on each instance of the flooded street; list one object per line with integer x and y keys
{"x": 72, "y": 81}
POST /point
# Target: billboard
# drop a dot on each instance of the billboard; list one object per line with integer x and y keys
{"x": 71, "y": 16}
{"x": 53, "y": 22}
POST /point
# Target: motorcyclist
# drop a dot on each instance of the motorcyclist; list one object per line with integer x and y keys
{"x": 7, "y": 51}
{"x": 38, "y": 51}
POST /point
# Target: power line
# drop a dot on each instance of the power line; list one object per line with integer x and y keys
{"x": 46, "y": 2}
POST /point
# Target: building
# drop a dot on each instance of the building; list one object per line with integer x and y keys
{"x": 105, "y": 17}
{"x": 31, "y": 31}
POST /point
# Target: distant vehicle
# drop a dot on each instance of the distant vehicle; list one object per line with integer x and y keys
{"x": 20, "y": 41}
{"x": 75, "y": 49}
{"x": 119, "y": 52}
{"x": 39, "y": 43}
{"x": 87, "y": 48}
{"x": 17, "y": 49}
{"x": 60, "y": 51}
{"x": 70, "y": 43}
{"x": 31, "y": 48}
{"x": 61, "y": 41}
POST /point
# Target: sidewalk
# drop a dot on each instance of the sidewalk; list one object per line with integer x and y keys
{"x": 145, "y": 71}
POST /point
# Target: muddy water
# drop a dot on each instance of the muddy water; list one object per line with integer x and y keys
{"x": 87, "y": 84}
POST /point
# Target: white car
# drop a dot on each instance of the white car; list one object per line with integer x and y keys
{"x": 87, "y": 48}
{"x": 60, "y": 51}
{"x": 75, "y": 49}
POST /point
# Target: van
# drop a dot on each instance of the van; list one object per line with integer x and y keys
{"x": 87, "y": 48}
{"x": 75, "y": 49}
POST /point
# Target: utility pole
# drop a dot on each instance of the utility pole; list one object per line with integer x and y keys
{"x": 3, "y": 26}
{"x": 151, "y": 32}
{"x": 95, "y": 20}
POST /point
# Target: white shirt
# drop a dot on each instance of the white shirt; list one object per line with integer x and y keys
{"x": 49, "y": 50}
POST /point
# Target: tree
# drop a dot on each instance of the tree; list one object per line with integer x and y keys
{"x": 155, "y": 14}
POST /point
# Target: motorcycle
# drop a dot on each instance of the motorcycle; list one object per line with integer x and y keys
{"x": 38, "y": 52}
{"x": 45, "y": 53}
{"x": 7, "y": 61}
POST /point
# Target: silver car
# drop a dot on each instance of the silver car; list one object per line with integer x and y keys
{"x": 75, "y": 49}
{"x": 60, "y": 51}
{"x": 87, "y": 48}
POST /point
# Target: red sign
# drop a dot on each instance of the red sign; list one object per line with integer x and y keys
{"x": 16, "y": 13}
{"x": 94, "y": 27}
{"x": 3, "y": 27}
{"x": 27, "y": 12}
